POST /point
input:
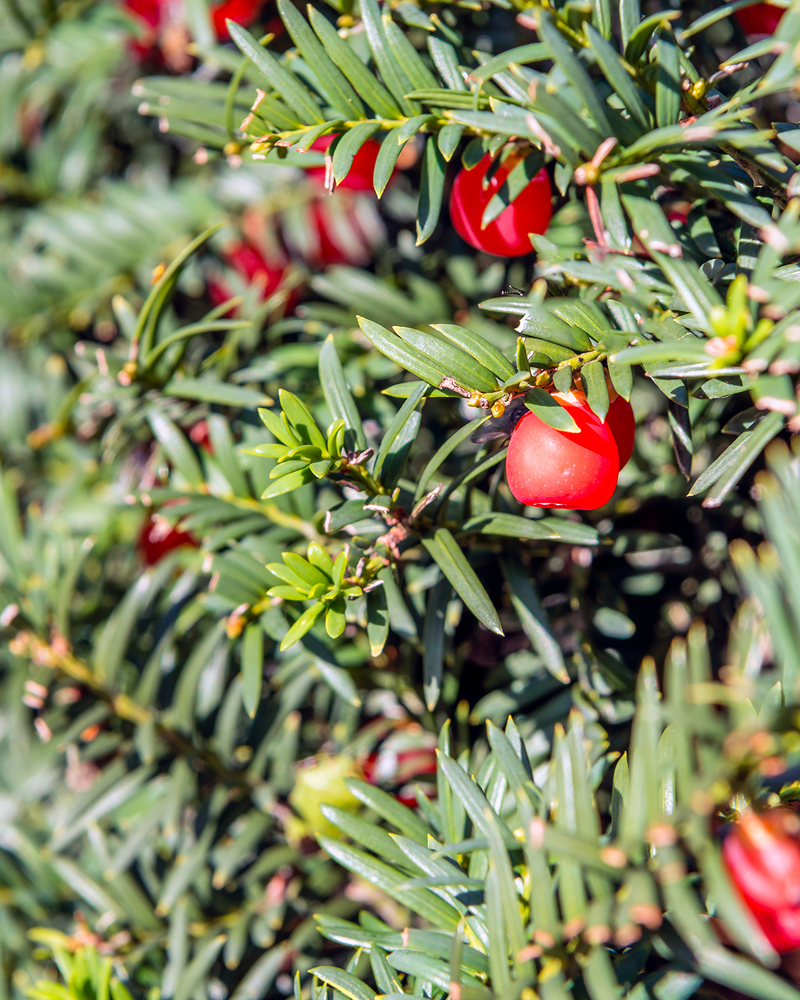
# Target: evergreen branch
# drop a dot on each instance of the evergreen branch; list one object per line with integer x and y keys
{"x": 56, "y": 655}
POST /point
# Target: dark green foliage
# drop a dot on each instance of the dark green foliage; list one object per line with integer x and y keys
{"x": 201, "y": 757}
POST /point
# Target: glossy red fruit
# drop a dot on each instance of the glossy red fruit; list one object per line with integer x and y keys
{"x": 334, "y": 247}
{"x": 550, "y": 468}
{"x": 398, "y": 763}
{"x": 359, "y": 177}
{"x": 623, "y": 426}
{"x": 158, "y": 537}
{"x": 761, "y": 852}
{"x": 254, "y": 269}
{"x": 243, "y": 12}
{"x": 759, "y": 19}
{"x": 507, "y": 235}
{"x": 254, "y": 266}
{"x": 146, "y": 11}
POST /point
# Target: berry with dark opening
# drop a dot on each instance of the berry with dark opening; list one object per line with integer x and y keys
{"x": 761, "y": 852}
{"x": 507, "y": 235}
{"x": 546, "y": 467}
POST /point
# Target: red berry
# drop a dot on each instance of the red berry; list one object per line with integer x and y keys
{"x": 243, "y": 12}
{"x": 200, "y": 435}
{"x": 507, "y": 235}
{"x": 401, "y": 758}
{"x": 550, "y": 468}
{"x": 253, "y": 266}
{"x": 623, "y": 426}
{"x": 359, "y": 177}
{"x": 759, "y": 19}
{"x": 674, "y": 216}
{"x": 332, "y": 246}
{"x": 762, "y": 855}
{"x": 219, "y": 292}
{"x": 147, "y": 11}
{"x": 327, "y": 251}
{"x": 158, "y": 537}
{"x": 407, "y": 796}
{"x": 157, "y": 15}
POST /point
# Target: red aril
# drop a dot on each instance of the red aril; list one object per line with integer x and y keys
{"x": 546, "y": 467}
{"x": 678, "y": 210}
{"x": 336, "y": 244}
{"x": 166, "y": 37}
{"x": 761, "y": 852}
{"x": 158, "y": 537}
{"x": 252, "y": 264}
{"x": 254, "y": 268}
{"x": 402, "y": 758}
{"x": 243, "y": 12}
{"x": 759, "y": 20}
{"x": 623, "y": 426}
{"x": 199, "y": 435}
{"x": 162, "y": 18}
{"x": 359, "y": 177}
{"x": 146, "y": 11}
{"x": 507, "y": 235}
{"x": 148, "y": 14}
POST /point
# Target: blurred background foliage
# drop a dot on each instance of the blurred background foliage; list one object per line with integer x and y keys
{"x": 176, "y": 788}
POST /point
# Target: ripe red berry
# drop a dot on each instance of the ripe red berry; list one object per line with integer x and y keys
{"x": 623, "y": 426}
{"x": 359, "y": 177}
{"x": 679, "y": 212}
{"x": 160, "y": 18}
{"x": 148, "y": 14}
{"x": 253, "y": 266}
{"x": 243, "y": 12}
{"x": 199, "y": 434}
{"x": 507, "y": 235}
{"x": 333, "y": 245}
{"x": 147, "y": 11}
{"x": 401, "y": 759}
{"x": 158, "y": 537}
{"x": 759, "y": 20}
{"x": 550, "y": 468}
{"x": 761, "y": 852}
